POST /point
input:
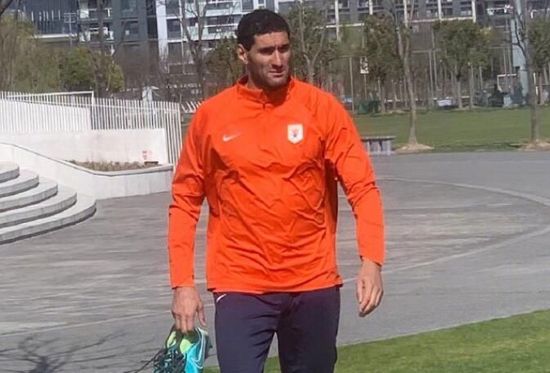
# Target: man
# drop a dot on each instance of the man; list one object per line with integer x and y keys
{"x": 266, "y": 153}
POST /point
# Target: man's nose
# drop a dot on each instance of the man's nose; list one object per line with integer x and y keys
{"x": 277, "y": 58}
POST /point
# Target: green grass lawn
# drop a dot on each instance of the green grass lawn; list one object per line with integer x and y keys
{"x": 519, "y": 344}
{"x": 484, "y": 129}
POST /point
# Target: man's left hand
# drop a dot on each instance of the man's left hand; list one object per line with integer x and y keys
{"x": 369, "y": 287}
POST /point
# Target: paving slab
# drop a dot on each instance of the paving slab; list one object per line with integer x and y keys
{"x": 468, "y": 240}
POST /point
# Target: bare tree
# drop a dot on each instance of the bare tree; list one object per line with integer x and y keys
{"x": 380, "y": 49}
{"x": 403, "y": 32}
{"x": 522, "y": 30}
{"x": 463, "y": 44}
{"x": 100, "y": 61}
{"x": 223, "y": 63}
{"x": 310, "y": 25}
{"x": 192, "y": 17}
{"x": 15, "y": 36}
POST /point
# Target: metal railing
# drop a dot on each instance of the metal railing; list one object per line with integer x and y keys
{"x": 22, "y": 113}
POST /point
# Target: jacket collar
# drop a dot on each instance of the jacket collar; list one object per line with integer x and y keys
{"x": 275, "y": 98}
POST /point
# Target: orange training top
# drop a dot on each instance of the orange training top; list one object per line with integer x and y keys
{"x": 268, "y": 164}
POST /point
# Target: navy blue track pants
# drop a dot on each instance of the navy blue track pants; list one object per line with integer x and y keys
{"x": 306, "y": 324}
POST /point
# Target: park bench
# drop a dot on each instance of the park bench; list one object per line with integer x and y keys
{"x": 378, "y": 145}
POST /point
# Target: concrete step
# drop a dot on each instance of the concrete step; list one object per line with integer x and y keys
{"x": 64, "y": 199}
{"x": 81, "y": 210}
{"x": 25, "y": 181}
{"x": 8, "y": 171}
{"x": 42, "y": 192}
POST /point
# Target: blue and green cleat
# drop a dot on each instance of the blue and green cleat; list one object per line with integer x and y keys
{"x": 183, "y": 353}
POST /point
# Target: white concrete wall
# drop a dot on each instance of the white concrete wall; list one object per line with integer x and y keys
{"x": 96, "y": 146}
{"x": 29, "y": 118}
{"x": 100, "y": 185}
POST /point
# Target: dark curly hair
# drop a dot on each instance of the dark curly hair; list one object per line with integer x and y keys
{"x": 259, "y": 22}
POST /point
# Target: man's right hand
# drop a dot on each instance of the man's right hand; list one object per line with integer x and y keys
{"x": 186, "y": 305}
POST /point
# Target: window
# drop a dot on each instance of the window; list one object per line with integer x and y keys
{"x": 172, "y": 7}
{"x": 219, "y": 5}
{"x": 175, "y": 69}
{"x": 129, "y": 4}
{"x": 343, "y": 4}
{"x": 174, "y": 52}
{"x": 345, "y": 18}
{"x": 220, "y": 29}
{"x": 152, "y": 31}
{"x": 174, "y": 28}
{"x": 363, "y": 4}
{"x": 174, "y": 49}
{"x": 131, "y": 31}
{"x": 219, "y": 20}
{"x": 151, "y": 7}
{"x": 129, "y": 8}
{"x": 173, "y": 25}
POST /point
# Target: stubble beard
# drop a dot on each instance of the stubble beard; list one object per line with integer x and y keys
{"x": 267, "y": 84}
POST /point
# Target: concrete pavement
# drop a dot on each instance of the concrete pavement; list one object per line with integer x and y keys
{"x": 468, "y": 240}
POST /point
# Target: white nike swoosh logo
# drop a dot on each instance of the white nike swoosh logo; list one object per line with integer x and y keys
{"x": 227, "y": 138}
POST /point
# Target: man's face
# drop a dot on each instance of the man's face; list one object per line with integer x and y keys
{"x": 267, "y": 60}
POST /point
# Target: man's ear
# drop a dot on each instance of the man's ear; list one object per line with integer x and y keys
{"x": 242, "y": 54}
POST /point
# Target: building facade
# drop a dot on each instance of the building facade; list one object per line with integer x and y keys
{"x": 55, "y": 20}
{"x": 151, "y": 36}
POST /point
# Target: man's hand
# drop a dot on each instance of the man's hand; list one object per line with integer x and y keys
{"x": 369, "y": 287}
{"x": 186, "y": 305}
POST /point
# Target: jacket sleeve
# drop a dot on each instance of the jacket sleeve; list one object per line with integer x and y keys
{"x": 184, "y": 210}
{"x": 356, "y": 174}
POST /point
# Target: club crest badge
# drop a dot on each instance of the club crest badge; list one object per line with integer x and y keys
{"x": 295, "y": 133}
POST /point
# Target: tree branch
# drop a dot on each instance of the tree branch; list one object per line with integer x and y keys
{"x": 323, "y": 37}
{"x": 4, "y": 4}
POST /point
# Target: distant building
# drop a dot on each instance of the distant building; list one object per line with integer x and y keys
{"x": 55, "y": 20}
{"x": 148, "y": 36}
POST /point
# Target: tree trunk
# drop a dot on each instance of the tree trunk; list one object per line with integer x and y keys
{"x": 532, "y": 99}
{"x": 429, "y": 95}
{"x": 4, "y": 4}
{"x": 459, "y": 93}
{"x": 540, "y": 88}
{"x": 201, "y": 77}
{"x": 311, "y": 72}
{"x": 412, "y": 111}
{"x": 480, "y": 78}
{"x": 404, "y": 52}
{"x": 534, "y": 109}
{"x": 382, "y": 96}
{"x": 403, "y": 98}
{"x": 458, "y": 85}
{"x": 444, "y": 82}
{"x": 11, "y": 42}
{"x": 528, "y": 54}
{"x": 100, "y": 70}
{"x": 394, "y": 96}
{"x": 471, "y": 88}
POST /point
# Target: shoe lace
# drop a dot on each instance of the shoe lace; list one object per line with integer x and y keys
{"x": 169, "y": 360}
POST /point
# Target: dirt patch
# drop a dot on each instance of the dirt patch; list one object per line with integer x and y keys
{"x": 114, "y": 166}
{"x": 536, "y": 146}
{"x": 414, "y": 148}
